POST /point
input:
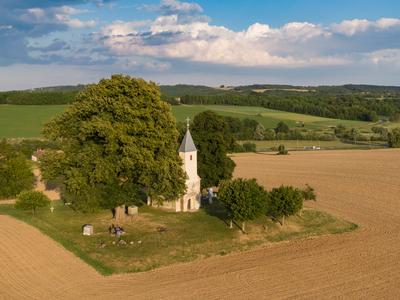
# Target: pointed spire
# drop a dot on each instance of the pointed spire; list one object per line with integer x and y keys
{"x": 187, "y": 144}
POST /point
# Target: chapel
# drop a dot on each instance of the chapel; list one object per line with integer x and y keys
{"x": 190, "y": 201}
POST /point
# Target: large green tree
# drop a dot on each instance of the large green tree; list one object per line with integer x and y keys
{"x": 118, "y": 139}
{"x": 15, "y": 172}
{"x": 244, "y": 199}
{"x": 213, "y": 140}
{"x": 394, "y": 138}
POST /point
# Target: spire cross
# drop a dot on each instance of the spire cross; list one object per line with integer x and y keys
{"x": 187, "y": 123}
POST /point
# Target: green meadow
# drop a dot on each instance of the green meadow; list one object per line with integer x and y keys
{"x": 26, "y": 121}
{"x": 158, "y": 238}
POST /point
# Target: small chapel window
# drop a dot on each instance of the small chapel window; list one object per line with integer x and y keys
{"x": 190, "y": 157}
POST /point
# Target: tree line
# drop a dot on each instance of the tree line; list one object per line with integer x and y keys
{"x": 37, "y": 97}
{"x": 347, "y": 107}
{"x": 246, "y": 200}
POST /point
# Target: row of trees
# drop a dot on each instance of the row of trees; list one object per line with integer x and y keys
{"x": 380, "y": 133}
{"x": 245, "y": 200}
{"x": 37, "y": 97}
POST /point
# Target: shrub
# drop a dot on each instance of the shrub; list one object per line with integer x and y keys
{"x": 309, "y": 193}
{"x": 15, "y": 172}
{"x": 249, "y": 147}
{"x": 394, "y": 138}
{"x": 32, "y": 200}
{"x": 282, "y": 150}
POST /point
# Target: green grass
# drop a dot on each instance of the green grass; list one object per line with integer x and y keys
{"x": 262, "y": 146}
{"x": 189, "y": 236}
{"x": 26, "y": 121}
{"x": 267, "y": 117}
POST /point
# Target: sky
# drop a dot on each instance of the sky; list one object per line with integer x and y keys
{"x": 230, "y": 42}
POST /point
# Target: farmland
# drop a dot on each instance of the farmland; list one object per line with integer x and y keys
{"x": 359, "y": 186}
{"x": 263, "y": 146}
{"x": 17, "y": 121}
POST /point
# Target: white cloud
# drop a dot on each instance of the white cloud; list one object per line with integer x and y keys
{"x": 56, "y": 16}
{"x": 385, "y": 57}
{"x": 199, "y": 41}
{"x": 169, "y": 7}
{"x": 352, "y": 27}
{"x": 6, "y": 27}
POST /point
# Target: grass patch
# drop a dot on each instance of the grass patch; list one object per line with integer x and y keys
{"x": 17, "y": 121}
{"x": 187, "y": 236}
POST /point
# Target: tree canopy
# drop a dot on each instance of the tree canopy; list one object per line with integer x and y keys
{"x": 213, "y": 141}
{"x": 15, "y": 172}
{"x": 284, "y": 202}
{"x": 244, "y": 199}
{"x": 282, "y": 127}
{"x": 118, "y": 139}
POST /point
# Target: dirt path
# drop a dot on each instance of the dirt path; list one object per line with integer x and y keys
{"x": 360, "y": 186}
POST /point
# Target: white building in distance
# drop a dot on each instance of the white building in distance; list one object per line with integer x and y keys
{"x": 190, "y": 201}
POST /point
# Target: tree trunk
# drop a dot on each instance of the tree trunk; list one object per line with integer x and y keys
{"x": 283, "y": 220}
{"x": 231, "y": 224}
{"x": 119, "y": 213}
{"x": 244, "y": 227}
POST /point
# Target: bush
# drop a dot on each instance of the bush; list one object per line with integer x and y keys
{"x": 32, "y": 200}
{"x": 249, "y": 147}
{"x": 15, "y": 172}
{"x": 309, "y": 193}
{"x": 394, "y": 138}
{"x": 282, "y": 150}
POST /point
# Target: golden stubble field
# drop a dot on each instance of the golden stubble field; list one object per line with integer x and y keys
{"x": 360, "y": 186}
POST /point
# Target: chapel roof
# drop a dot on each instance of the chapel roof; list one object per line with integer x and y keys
{"x": 187, "y": 144}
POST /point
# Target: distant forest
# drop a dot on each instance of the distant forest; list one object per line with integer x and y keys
{"x": 350, "y": 102}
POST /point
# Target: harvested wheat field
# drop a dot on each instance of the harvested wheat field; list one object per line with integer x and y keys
{"x": 360, "y": 186}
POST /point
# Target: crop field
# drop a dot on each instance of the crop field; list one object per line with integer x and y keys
{"x": 359, "y": 186}
{"x": 267, "y": 117}
{"x": 17, "y": 121}
{"x": 263, "y": 146}
{"x": 26, "y": 121}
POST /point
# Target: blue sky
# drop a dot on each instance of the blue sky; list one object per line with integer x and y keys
{"x": 307, "y": 42}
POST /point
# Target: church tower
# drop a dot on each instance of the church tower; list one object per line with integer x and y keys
{"x": 190, "y": 201}
{"x": 188, "y": 153}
